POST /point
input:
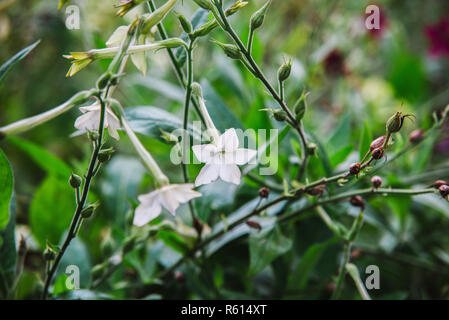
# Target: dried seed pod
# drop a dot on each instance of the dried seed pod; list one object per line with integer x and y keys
{"x": 317, "y": 190}
{"x": 357, "y": 201}
{"x": 377, "y": 143}
{"x": 437, "y": 184}
{"x": 416, "y": 135}
{"x": 444, "y": 190}
{"x": 264, "y": 192}
{"x": 253, "y": 224}
{"x": 376, "y": 181}
{"x": 378, "y": 153}
{"x": 354, "y": 168}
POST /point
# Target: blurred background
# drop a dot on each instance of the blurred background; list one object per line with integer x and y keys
{"x": 357, "y": 78}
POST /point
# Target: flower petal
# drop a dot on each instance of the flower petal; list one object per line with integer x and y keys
{"x": 184, "y": 193}
{"x": 146, "y": 212}
{"x": 88, "y": 121}
{"x": 204, "y": 152}
{"x": 117, "y": 37}
{"x": 230, "y": 173}
{"x": 242, "y": 156}
{"x": 208, "y": 173}
{"x": 228, "y": 141}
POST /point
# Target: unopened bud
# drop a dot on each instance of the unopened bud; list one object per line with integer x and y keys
{"x": 107, "y": 246}
{"x": 378, "y": 153}
{"x": 105, "y": 154}
{"x": 437, "y": 184}
{"x": 179, "y": 277}
{"x": 103, "y": 81}
{"x": 317, "y": 190}
{"x": 259, "y": 16}
{"x": 253, "y": 224}
{"x": 49, "y": 254}
{"x": 230, "y": 50}
{"x": 285, "y": 70}
{"x": 75, "y": 181}
{"x": 311, "y": 149}
{"x": 185, "y": 24}
{"x": 416, "y": 135}
{"x": 280, "y": 115}
{"x": 357, "y": 201}
{"x": 377, "y": 143}
{"x": 89, "y": 210}
{"x": 444, "y": 190}
{"x": 235, "y": 7}
{"x": 205, "y": 4}
{"x": 376, "y": 181}
{"x": 92, "y": 135}
{"x": 354, "y": 168}
{"x": 264, "y": 192}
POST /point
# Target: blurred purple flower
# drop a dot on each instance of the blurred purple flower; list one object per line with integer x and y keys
{"x": 334, "y": 63}
{"x": 438, "y": 35}
{"x": 383, "y": 23}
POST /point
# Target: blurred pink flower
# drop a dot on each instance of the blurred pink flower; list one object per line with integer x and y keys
{"x": 438, "y": 35}
{"x": 383, "y": 24}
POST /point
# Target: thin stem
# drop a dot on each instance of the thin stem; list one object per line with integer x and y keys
{"x": 281, "y": 90}
{"x": 250, "y": 41}
{"x": 342, "y": 272}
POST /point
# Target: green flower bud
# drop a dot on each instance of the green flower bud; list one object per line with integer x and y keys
{"x": 105, "y": 155}
{"x": 230, "y": 50}
{"x": 235, "y": 7}
{"x": 395, "y": 122}
{"x": 75, "y": 181}
{"x": 196, "y": 90}
{"x": 311, "y": 149}
{"x": 92, "y": 135}
{"x": 300, "y": 106}
{"x": 88, "y": 211}
{"x": 49, "y": 254}
{"x": 280, "y": 115}
{"x": 103, "y": 81}
{"x": 259, "y": 16}
{"x": 285, "y": 70}
{"x": 107, "y": 246}
{"x": 205, "y": 4}
{"x": 185, "y": 24}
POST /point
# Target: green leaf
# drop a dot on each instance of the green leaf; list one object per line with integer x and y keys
{"x": 8, "y": 253}
{"x": 341, "y": 155}
{"x": 266, "y": 246}
{"x": 76, "y": 255}
{"x": 424, "y": 154}
{"x": 8, "y": 65}
{"x": 220, "y": 113}
{"x": 150, "y": 121}
{"x": 365, "y": 140}
{"x": 43, "y": 158}
{"x": 6, "y": 187}
{"x": 51, "y": 210}
{"x": 298, "y": 279}
{"x": 341, "y": 135}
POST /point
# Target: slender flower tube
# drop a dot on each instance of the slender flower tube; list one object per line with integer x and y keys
{"x": 31, "y": 122}
{"x": 80, "y": 60}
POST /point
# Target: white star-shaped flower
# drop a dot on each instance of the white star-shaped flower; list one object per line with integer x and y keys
{"x": 90, "y": 120}
{"x": 221, "y": 158}
{"x": 169, "y": 197}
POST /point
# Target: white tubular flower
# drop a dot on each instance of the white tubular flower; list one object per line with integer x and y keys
{"x": 169, "y": 196}
{"x": 90, "y": 120}
{"x": 221, "y": 158}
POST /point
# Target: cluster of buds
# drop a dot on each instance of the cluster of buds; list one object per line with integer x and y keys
{"x": 126, "y": 5}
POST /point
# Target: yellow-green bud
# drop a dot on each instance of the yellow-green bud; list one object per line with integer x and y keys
{"x": 394, "y": 124}
{"x": 311, "y": 149}
{"x": 75, "y": 181}
{"x": 230, "y": 50}
{"x": 88, "y": 211}
{"x": 196, "y": 90}
{"x": 259, "y": 16}
{"x": 300, "y": 106}
{"x": 49, "y": 254}
{"x": 92, "y": 135}
{"x": 103, "y": 81}
{"x": 235, "y": 7}
{"x": 285, "y": 70}
{"x": 105, "y": 155}
{"x": 107, "y": 246}
{"x": 205, "y": 4}
{"x": 280, "y": 115}
{"x": 185, "y": 24}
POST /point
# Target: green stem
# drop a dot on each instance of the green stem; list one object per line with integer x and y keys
{"x": 342, "y": 272}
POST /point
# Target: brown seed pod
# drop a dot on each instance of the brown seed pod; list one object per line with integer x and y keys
{"x": 444, "y": 190}
{"x": 357, "y": 201}
{"x": 317, "y": 190}
{"x": 179, "y": 277}
{"x": 377, "y": 143}
{"x": 437, "y": 184}
{"x": 253, "y": 224}
{"x": 264, "y": 192}
{"x": 354, "y": 168}
{"x": 376, "y": 181}
{"x": 378, "y": 153}
{"x": 416, "y": 135}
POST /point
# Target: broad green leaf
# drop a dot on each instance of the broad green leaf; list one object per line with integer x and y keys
{"x": 8, "y": 65}
{"x": 341, "y": 155}
{"x": 216, "y": 196}
{"x": 43, "y": 158}
{"x": 266, "y": 246}
{"x": 341, "y": 135}
{"x": 77, "y": 256}
{"x": 6, "y": 187}
{"x": 150, "y": 121}
{"x": 424, "y": 153}
{"x": 8, "y": 253}
{"x": 220, "y": 113}
{"x": 51, "y": 210}
{"x": 365, "y": 140}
